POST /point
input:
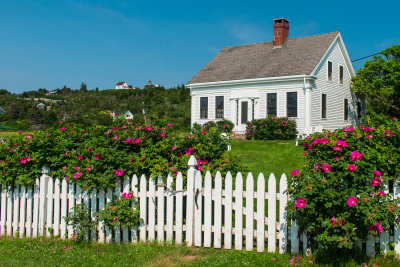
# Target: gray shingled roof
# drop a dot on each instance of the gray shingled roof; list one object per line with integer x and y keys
{"x": 297, "y": 56}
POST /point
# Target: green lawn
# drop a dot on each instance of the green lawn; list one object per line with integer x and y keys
{"x": 5, "y": 134}
{"x": 277, "y": 156}
{"x": 54, "y": 252}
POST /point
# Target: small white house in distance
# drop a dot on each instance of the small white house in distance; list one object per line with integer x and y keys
{"x": 306, "y": 78}
{"x": 121, "y": 85}
{"x": 2, "y": 111}
{"x": 127, "y": 114}
{"x": 41, "y": 106}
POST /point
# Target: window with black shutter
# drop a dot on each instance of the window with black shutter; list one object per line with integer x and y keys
{"x": 219, "y": 106}
{"x": 203, "y": 107}
{"x": 271, "y": 104}
{"x": 341, "y": 74}
{"x": 323, "y": 113}
{"x": 346, "y": 109}
{"x": 291, "y": 104}
{"x": 358, "y": 109}
{"x": 329, "y": 70}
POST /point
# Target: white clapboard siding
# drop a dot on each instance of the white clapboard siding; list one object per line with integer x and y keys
{"x": 249, "y": 212}
{"x": 212, "y": 203}
{"x": 239, "y": 212}
{"x": 217, "y": 210}
{"x": 228, "y": 212}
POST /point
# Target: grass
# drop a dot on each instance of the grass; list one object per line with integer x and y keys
{"x": 6, "y": 134}
{"x": 54, "y": 252}
{"x": 276, "y": 156}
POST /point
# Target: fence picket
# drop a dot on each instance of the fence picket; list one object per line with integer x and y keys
{"x": 143, "y": 207}
{"x": 271, "y": 213}
{"x": 29, "y": 202}
{"x": 396, "y": 239}
{"x": 125, "y": 230}
{"x": 283, "y": 235}
{"x": 15, "y": 210}
{"x": 160, "y": 209}
{"x": 249, "y": 211}
{"x": 198, "y": 209}
{"x": 44, "y": 179}
{"x": 49, "y": 205}
{"x": 109, "y": 231}
{"x": 35, "y": 222}
{"x": 370, "y": 251}
{"x": 56, "y": 225}
{"x": 190, "y": 200}
{"x": 22, "y": 211}
{"x": 207, "y": 210}
{"x": 64, "y": 209}
{"x": 217, "y": 210}
{"x": 3, "y": 211}
{"x": 9, "y": 211}
{"x": 93, "y": 210}
{"x": 170, "y": 210}
{"x": 152, "y": 209}
{"x": 86, "y": 201}
{"x": 261, "y": 212}
{"x": 117, "y": 193}
{"x": 228, "y": 212}
{"x": 294, "y": 238}
{"x": 101, "y": 227}
{"x": 71, "y": 203}
{"x": 179, "y": 209}
{"x": 239, "y": 212}
{"x": 134, "y": 189}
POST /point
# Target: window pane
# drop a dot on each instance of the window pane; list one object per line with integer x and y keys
{"x": 203, "y": 107}
{"x": 219, "y": 106}
{"x": 291, "y": 103}
{"x": 323, "y": 115}
{"x": 271, "y": 104}
{"x": 341, "y": 74}
{"x": 346, "y": 109}
{"x": 244, "y": 111}
{"x": 329, "y": 71}
{"x": 358, "y": 109}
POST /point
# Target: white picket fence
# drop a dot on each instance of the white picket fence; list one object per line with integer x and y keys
{"x": 203, "y": 214}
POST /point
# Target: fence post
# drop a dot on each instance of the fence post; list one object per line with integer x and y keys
{"x": 190, "y": 199}
{"x": 44, "y": 180}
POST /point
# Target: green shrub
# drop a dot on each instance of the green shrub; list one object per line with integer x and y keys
{"x": 79, "y": 219}
{"x": 271, "y": 128}
{"x": 340, "y": 195}
{"x": 91, "y": 156}
{"x": 221, "y": 126}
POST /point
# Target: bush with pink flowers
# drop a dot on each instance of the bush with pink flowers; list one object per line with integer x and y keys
{"x": 341, "y": 195}
{"x": 271, "y": 128}
{"x": 96, "y": 157}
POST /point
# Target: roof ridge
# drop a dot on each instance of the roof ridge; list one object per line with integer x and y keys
{"x": 336, "y": 32}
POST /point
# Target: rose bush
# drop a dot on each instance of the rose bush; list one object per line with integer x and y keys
{"x": 222, "y": 126}
{"x": 341, "y": 193}
{"x": 95, "y": 157}
{"x": 271, "y": 128}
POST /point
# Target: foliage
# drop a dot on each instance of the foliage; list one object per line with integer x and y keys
{"x": 221, "y": 126}
{"x": 93, "y": 107}
{"x": 340, "y": 194}
{"x": 120, "y": 212}
{"x": 379, "y": 81}
{"x": 271, "y": 128}
{"x": 79, "y": 218}
{"x": 92, "y": 156}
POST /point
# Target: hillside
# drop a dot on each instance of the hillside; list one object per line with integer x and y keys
{"x": 94, "y": 106}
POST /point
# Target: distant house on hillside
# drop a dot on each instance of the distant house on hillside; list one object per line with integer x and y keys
{"x": 41, "y": 106}
{"x": 306, "y": 79}
{"x": 54, "y": 92}
{"x": 2, "y": 111}
{"x": 127, "y": 114}
{"x": 122, "y": 85}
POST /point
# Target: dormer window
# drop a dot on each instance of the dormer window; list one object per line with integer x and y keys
{"x": 329, "y": 70}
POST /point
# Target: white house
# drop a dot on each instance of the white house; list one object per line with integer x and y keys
{"x": 127, "y": 114}
{"x": 122, "y": 85}
{"x": 307, "y": 79}
{"x": 2, "y": 111}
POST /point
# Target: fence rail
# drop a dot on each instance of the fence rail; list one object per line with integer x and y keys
{"x": 227, "y": 213}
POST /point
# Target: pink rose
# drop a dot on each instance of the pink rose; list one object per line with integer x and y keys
{"x": 295, "y": 172}
{"x": 352, "y": 167}
{"x": 326, "y": 168}
{"x": 119, "y": 172}
{"x": 352, "y": 201}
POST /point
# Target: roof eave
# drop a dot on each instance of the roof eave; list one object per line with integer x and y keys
{"x": 252, "y": 81}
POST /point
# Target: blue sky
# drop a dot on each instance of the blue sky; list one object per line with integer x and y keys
{"x": 49, "y": 44}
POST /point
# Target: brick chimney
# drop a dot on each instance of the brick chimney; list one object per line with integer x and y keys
{"x": 281, "y": 31}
